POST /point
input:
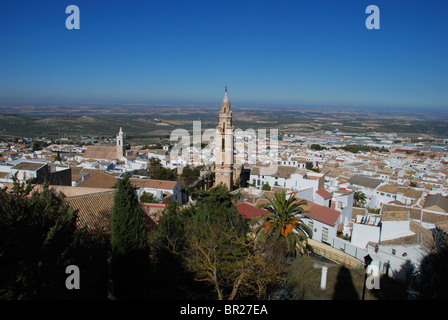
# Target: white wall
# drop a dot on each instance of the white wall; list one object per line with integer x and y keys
{"x": 177, "y": 192}
{"x": 306, "y": 194}
{"x": 362, "y": 234}
{"x": 394, "y": 229}
{"x": 399, "y": 261}
{"x": 23, "y": 175}
{"x": 318, "y": 228}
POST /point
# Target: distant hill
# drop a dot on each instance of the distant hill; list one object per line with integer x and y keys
{"x": 143, "y": 122}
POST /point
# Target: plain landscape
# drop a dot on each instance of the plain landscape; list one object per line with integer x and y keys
{"x": 154, "y": 123}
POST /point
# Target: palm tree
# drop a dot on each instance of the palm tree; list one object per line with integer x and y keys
{"x": 282, "y": 224}
{"x": 359, "y": 198}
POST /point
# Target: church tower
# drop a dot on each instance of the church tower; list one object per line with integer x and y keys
{"x": 224, "y": 146}
{"x": 121, "y": 144}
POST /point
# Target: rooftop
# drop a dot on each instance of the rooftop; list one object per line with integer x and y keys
{"x": 29, "y": 166}
{"x": 435, "y": 202}
{"x": 365, "y": 181}
{"x": 249, "y": 211}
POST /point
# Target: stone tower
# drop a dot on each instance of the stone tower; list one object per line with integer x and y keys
{"x": 224, "y": 146}
{"x": 121, "y": 144}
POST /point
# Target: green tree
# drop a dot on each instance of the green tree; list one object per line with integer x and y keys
{"x": 148, "y": 198}
{"x": 190, "y": 175}
{"x": 309, "y": 165}
{"x": 317, "y": 147}
{"x": 266, "y": 187}
{"x": 38, "y": 145}
{"x": 282, "y": 224}
{"x": 171, "y": 278}
{"x": 129, "y": 244}
{"x": 212, "y": 240}
{"x": 38, "y": 240}
{"x": 359, "y": 198}
{"x": 155, "y": 170}
{"x": 215, "y": 249}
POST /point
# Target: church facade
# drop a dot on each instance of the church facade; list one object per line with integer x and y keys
{"x": 108, "y": 153}
{"x": 224, "y": 146}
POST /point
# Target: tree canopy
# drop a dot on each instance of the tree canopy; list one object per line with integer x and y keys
{"x": 129, "y": 244}
{"x": 39, "y": 239}
{"x": 214, "y": 244}
{"x": 282, "y": 223}
{"x": 155, "y": 170}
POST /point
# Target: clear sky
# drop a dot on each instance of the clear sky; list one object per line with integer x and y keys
{"x": 293, "y": 52}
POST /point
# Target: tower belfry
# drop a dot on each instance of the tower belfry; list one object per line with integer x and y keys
{"x": 121, "y": 144}
{"x": 224, "y": 146}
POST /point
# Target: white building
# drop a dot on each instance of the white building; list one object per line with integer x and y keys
{"x": 396, "y": 243}
{"x": 161, "y": 189}
{"x": 287, "y": 177}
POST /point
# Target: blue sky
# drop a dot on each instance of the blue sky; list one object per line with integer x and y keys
{"x": 292, "y": 52}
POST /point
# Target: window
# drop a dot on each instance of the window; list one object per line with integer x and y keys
{"x": 325, "y": 234}
{"x": 311, "y": 224}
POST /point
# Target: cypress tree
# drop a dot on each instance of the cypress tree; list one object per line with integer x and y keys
{"x": 129, "y": 245}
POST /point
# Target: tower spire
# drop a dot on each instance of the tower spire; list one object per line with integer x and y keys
{"x": 225, "y": 95}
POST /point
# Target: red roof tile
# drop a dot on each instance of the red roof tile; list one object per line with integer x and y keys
{"x": 324, "y": 193}
{"x": 99, "y": 180}
{"x": 249, "y": 211}
{"x": 323, "y": 214}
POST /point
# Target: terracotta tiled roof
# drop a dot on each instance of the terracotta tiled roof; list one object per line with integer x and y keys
{"x": 417, "y": 214}
{"x": 153, "y": 210}
{"x": 358, "y": 211}
{"x": 323, "y": 214}
{"x": 98, "y": 180}
{"x": 249, "y": 211}
{"x": 365, "y": 181}
{"x": 67, "y": 191}
{"x": 31, "y": 166}
{"x": 94, "y": 210}
{"x": 433, "y": 217}
{"x": 438, "y": 201}
{"x": 153, "y": 184}
{"x": 406, "y": 191}
{"x": 395, "y": 216}
{"x": 100, "y": 152}
{"x": 324, "y": 193}
{"x": 442, "y": 226}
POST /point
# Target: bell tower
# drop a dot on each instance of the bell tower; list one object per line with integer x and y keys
{"x": 224, "y": 146}
{"x": 121, "y": 144}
